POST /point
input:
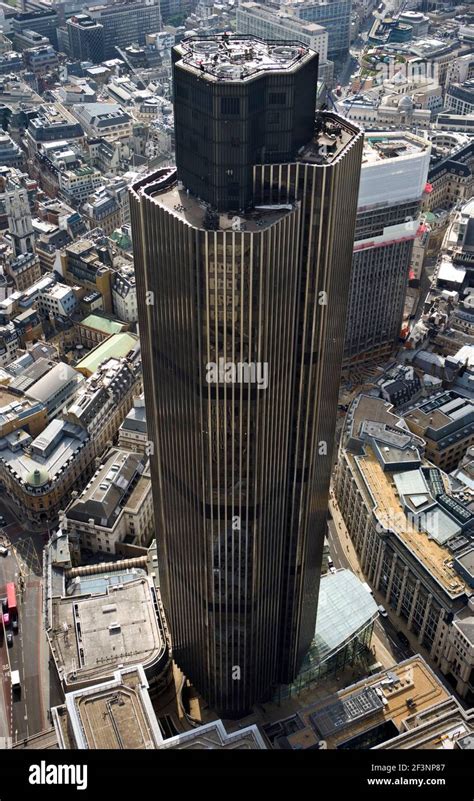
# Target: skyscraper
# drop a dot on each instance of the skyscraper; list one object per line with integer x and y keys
{"x": 243, "y": 260}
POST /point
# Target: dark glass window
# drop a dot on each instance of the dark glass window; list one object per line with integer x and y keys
{"x": 277, "y": 98}
{"x": 230, "y": 105}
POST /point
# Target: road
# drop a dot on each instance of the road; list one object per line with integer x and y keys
{"x": 26, "y": 711}
{"x": 385, "y": 634}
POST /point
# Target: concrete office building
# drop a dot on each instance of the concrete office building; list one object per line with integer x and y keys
{"x": 100, "y": 619}
{"x": 460, "y": 97}
{"x": 386, "y": 227}
{"x": 413, "y": 538}
{"x": 445, "y": 420}
{"x": 43, "y": 22}
{"x": 334, "y": 15}
{"x": 118, "y": 714}
{"x": 11, "y": 155}
{"x": 86, "y": 38}
{"x": 126, "y": 22}
{"x": 253, "y": 270}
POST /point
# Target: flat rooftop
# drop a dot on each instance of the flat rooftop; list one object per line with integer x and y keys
{"x": 239, "y": 58}
{"x": 374, "y": 701}
{"x": 191, "y": 210}
{"x": 93, "y": 635}
{"x": 13, "y": 407}
{"x": 214, "y": 736}
{"x": 114, "y": 715}
{"x": 382, "y": 147}
{"x": 388, "y": 508}
{"x": 53, "y": 451}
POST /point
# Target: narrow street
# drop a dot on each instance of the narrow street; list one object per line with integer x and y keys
{"x": 387, "y": 649}
{"x": 24, "y": 713}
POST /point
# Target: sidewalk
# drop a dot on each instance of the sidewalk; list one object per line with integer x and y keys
{"x": 382, "y": 653}
{"x": 343, "y": 536}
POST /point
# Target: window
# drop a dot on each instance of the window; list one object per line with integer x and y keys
{"x": 230, "y": 105}
{"x": 233, "y": 189}
{"x": 277, "y": 98}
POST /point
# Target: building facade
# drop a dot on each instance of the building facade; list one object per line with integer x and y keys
{"x": 408, "y": 533}
{"x": 334, "y": 15}
{"x": 241, "y": 392}
{"x": 126, "y": 22}
{"x": 86, "y": 38}
{"x": 385, "y": 232}
{"x": 272, "y": 23}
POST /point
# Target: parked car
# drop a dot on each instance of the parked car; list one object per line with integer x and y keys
{"x": 3, "y": 550}
{"x": 9, "y": 639}
{"x": 15, "y": 626}
{"x": 382, "y": 611}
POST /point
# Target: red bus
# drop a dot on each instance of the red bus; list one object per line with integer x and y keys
{"x": 11, "y": 600}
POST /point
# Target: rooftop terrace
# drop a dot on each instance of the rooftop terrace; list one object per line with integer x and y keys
{"x": 383, "y": 146}
{"x": 239, "y": 58}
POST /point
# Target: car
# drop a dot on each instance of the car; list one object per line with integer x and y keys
{"x": 403, "y": 639}
{"x": 3, "y": 550}
{"x": 332, "y": 569}
{"x": 15, "y": 626}
{"x": 382, "y": 611}
{"x": 9, "y": 639}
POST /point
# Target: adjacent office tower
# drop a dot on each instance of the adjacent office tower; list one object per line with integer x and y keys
{"x": 392, "y": 182}
{"x": 86, "y": 38}
{"x": 243, "y": 260}
{"x": 125, "y": 22}
{"x": 334, "y": 15}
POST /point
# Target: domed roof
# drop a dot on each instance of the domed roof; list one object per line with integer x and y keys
{"x": 405, "y": 103}
{"x": 37, "y": 477}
